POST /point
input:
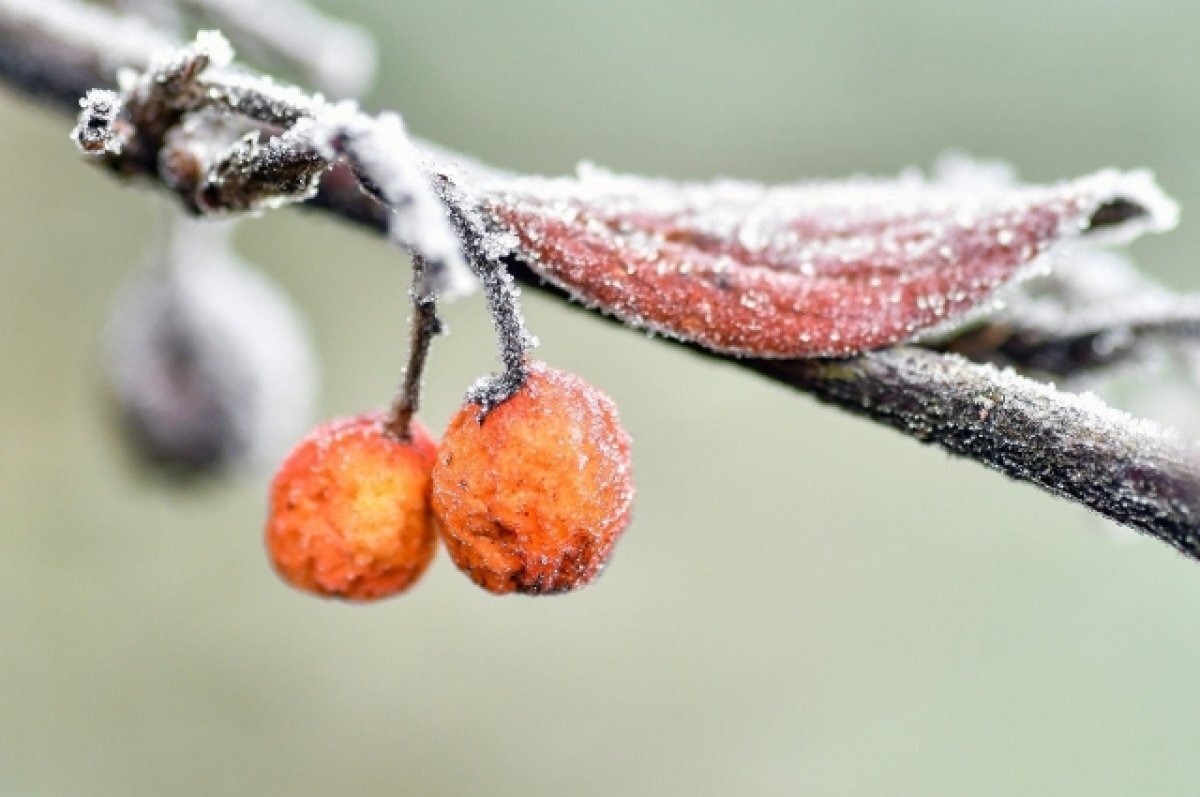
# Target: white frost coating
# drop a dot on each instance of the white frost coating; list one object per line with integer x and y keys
{"x": 378, "y": 149}
{"x": 213, "y": 45}
{"x": 1140, "y": 188}
{"x": 970, "y": 222}
{"x": 957, "y": 168}
{"x": 733, "y": 207}
{"x": 99, "y": 109}
{"x": 1087, "y": 408}
{"x": 420, "y": 222}
{"x": 210, "y": 45}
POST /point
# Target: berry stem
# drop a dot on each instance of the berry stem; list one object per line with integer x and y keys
{"x": 426, "y": 325}
{"x": 512, "y": 338}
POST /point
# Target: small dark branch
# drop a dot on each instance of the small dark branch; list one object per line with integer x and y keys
{"x": 426, "y": 325}
{"x": 1038, "y": 351}
{"x": 1129, "y": 470}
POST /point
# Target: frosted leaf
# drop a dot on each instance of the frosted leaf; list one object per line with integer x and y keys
{"x": 208, "y": 362}
{"x": 811, "y": 269}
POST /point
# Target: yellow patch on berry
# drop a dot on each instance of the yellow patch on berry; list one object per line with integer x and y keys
{"x": 349, "y": 510}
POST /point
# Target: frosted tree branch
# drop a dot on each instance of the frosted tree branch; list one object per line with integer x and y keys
{"x": 169, "y": 120}
{"x": 1128, "y": 470}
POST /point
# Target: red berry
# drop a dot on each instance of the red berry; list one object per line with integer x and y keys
{"x": 533, "y": 497}
{"x": 349, "y": 510}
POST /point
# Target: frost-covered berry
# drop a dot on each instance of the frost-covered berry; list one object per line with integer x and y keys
{"x": 533, "y": 497}
{"x": 208, "y": 363}
{"x": 349, "y": 510}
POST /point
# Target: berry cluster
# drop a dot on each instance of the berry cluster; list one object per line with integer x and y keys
{"x": 530, "y": 487}
{"x": 529, "y": 495}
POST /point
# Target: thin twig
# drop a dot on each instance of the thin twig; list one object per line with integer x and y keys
{"x": 426, "y": 325}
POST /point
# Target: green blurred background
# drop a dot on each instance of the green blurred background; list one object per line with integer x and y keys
{"x": 804, "y": 604}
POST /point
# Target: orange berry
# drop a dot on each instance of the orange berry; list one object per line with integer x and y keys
{"x": 533, "y": 498}
{"x": 349, "y": 510}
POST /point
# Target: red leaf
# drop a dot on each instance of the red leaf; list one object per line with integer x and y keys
{"x": 819, "y": 269}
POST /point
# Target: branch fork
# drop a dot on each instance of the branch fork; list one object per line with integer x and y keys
{"x": 282, "y": 147}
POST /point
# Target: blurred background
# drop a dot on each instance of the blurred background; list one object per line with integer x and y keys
{"x": 805, "y": 603}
